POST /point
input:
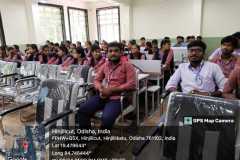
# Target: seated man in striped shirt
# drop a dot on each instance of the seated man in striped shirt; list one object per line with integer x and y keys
{"x": 197, "y": 76}
{"x": 227, "y": 60}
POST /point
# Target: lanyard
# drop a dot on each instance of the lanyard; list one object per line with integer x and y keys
{"x": 198, "y": 78}
{"x": 110, "y": 72}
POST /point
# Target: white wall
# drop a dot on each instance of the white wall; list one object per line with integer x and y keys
{"x": 158, "y": 18}
{"x": 220, "y": 17}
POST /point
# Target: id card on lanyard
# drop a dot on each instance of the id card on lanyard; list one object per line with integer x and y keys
{"x": 198, "y": 78}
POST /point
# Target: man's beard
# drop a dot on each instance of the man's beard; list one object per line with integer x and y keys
{"x": 114, "y": 59}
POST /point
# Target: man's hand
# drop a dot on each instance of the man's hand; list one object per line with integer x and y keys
{"x": 105, "y": 92}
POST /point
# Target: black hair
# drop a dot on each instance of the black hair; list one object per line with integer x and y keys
{"x": 16, "y": 47}
{"x": 115, "y": 44}
{"x": 236, "y": 35}
{"x": 64, "y": 49}
{"x": 155, "y": 41}
{"x": 230, "y": 39}
{"x": 149, "y": 44}
{"x": 164, "y": 41}
{"x": 142, "y": 38}
{"x": 56, "y": 44}
{"x": 74, "y": 45}
{"x": 168, "y": 38}
{"x": 81, "y": 52}
{"x": 44, "y": 46}
{"x": 34, "y": 46}
{"x": 89, "y": 42}
{"x": 197, "y": 43}
{"x": 9, "y": 48}
{"x": 95, "y": 47}
{"x": 132, "y": 42}
{"x": 69, "y": 42}
{"x": 138, "y": 47}
{"x": 180, "y": 37}
{"x": 96, "y": 42}
{"x": 199, "y": 37}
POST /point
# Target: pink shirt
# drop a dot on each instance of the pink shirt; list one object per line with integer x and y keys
{"x": 99, "y": 64}
{"x": 122, "y": 76}
{"x": 226, "y": 67}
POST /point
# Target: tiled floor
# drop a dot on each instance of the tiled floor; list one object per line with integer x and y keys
{"x": 13, "y": 125}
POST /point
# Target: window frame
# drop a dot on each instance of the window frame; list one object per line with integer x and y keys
{"x": 98, "y": 24}
{"x": 62, "y": 16}
{"x": 2, "y": 35}
{"x": 86, "y": 21}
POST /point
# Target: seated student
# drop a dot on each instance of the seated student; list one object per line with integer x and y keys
{"x": 78, "y": 44}
{"x": 128, "y": 49}
{"x": 88, "y": 53}
{"x": 236, "y": 52}
{"x": 227, "y": 60}
{"x": 180, "y": 42}
{"x": 31, "y": 52}
{"x": 197, "y": 76}
{"x": 17, "y": 50}
{"x": 189, "y": 39}
{"x": 42, "y": 57}
{"x": 78, "y": 57}
{"x": 104, "y": 48}
{"x": 148, "y": 49}
{"x": 98, "y": 59}
{"x": 124, "y": 56}
{"x": 59, "y": 57}
{"x": 88, "y": 46}
{"x": 166, "y": 55}
{"x": 120, "y": 76}
{"x": 72, "y": 47}
{"x": 52, "y": 47}
{"x": 155, "y": 43}
{"x": 12, "y": 56}
{"x": 232, "y": 86}
{"x": 3, "y": 53}
{"x": 135, "y": 53}
{"x": 142, "y": 44}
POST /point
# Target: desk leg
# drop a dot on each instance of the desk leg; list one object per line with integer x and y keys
{"x": 137, "y": 104}
{"x": 146, "y": 104}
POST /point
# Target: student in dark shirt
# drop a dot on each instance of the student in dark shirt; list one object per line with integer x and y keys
{"x": 135, "y": 53}
{"x": 165, "y": 54}
{"x": 42, "y": 57}
{"x": 31, "y": 52}
{"x": 13, "y": 56}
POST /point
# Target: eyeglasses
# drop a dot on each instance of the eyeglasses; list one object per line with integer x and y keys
{"x": 196, "y": 50}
